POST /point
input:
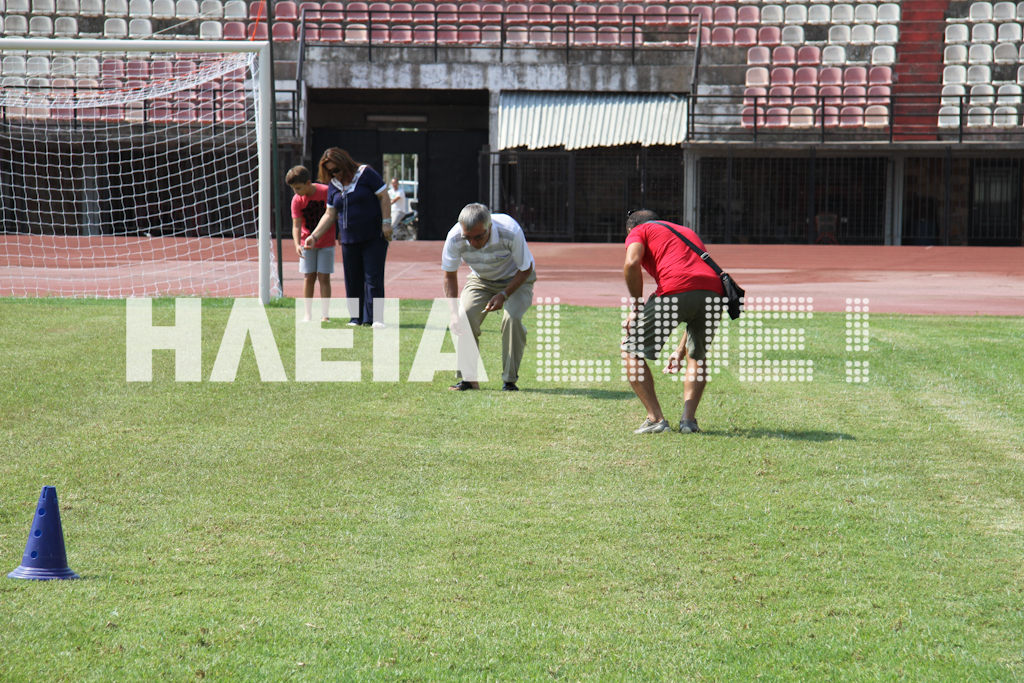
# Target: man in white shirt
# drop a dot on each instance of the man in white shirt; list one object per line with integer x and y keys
{"x": 502, "y": 276}
{"x": 399, "y": 202}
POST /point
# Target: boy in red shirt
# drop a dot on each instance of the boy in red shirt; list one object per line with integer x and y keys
{"x": 317, "y": 263}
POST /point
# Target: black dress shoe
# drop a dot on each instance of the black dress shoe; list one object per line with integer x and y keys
{"x": 510, "y": 386}
{"x": 462, "y": 385}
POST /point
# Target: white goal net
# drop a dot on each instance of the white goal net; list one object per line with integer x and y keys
{"x": 134, "y": 168}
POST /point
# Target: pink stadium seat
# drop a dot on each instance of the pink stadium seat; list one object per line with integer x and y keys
{"x": 855, "y": 75}
{"x": 333, "y": 12}
{"x": 805, "y": 75}
{"x": 161, "y": 70}
{"x": 830, "y": 94}
{"x": 752, "y": 117}
{"x": 540, "y": 35}
{"x": 725, "y": 14}
{"x": 703, "y": 12}
{"x": 380, "y": 12}
{"x": 491, "y": 13}
{"x": 584, "y": 35}
{"x": 769, "y": 35}
{"x": 755, "y": 95}
{"x": 234, "y": 30}
{"x": 257, "y": 31}
{"x": 233, "y": 113}
{"x": 780, "y": 96}
{"x": 184, "y": 67}
{"x": 784, "y": 55}
{"x": 851, "y": 117}
{"x": 585, "y": 15}
{"x": 705, "y": 35}
{"x": 423, "y": 34}
{"x": 748, "y": 15}
{"x": 805, "y": 95}
{"x": 283, "y": 30}
{"x": 286, "y": 10}
{"x": 423, "y": 13}
{"x": 380, "y": 33}
{"x": 312, "y": 33}
{"x": 516, "y": 14}
{"x": 184, "y": 112}
{"x": 608, "y": 36}
{"x": 517, "y": 35}
{"x": 830, "y": 75}
{"x": 539, "y": 14}
{"x": 827, "y": 116}
{"x": 744, "y": 36}
{"x": 879, "y": 94}
{"x": 561, "y": 14}
{"x": 447, "y": 34}
{"x": 258, "y": 10}
{"x": 808, "y": 55}
{"x": 447, "y": 13}
{"x": 357, "y": 11}
{"x": 112, "y": 68}
{"x": 331, "y": 33}
{"x": 160, "y": 112}
{"x": 721, "y": 35}
{"x": 469, "y": 13}
{"x": 490, "y": 34}
{"x": 401, "y": 34}
{"x": 656, "y": 15}
{"x": 607, "y": 15}
{"x": 759, "y": 55}
{"x": 137, "y": 69}
{"x": 630, "y": 37}
{"x": 855, "y": 95}
{"x": 881, "y": 75}
{"x": 776, "y": 117}
{"x": 401, "y": 13}
{"x": 633, "y": 15}
{"x": 782, "y": 75}
{"x": 676, "y": 15}
{"x": 469, "y": 34}
{"x": 312, "y": 10}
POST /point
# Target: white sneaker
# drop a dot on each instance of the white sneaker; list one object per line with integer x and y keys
{"x": 649, "y": 427}
{"x": 378, "y": 325}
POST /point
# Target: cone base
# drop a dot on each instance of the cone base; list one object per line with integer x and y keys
{"x": 37, "y": 574}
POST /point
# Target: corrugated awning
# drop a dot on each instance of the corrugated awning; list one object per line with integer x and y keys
{"x": 581, "y": 120}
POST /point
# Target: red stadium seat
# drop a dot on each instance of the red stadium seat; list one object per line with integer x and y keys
{"x": 423, "y": 13}
{"x": 769, "y": 35}
{"x": 755, "y": 95}
{"x": 608, "y": 15}
{"x": 879, "y": 94}
{"x": 380, "y": 13}
{"x": 331, "y": 33}
{"x": 805, "y": 75}
{"x": 676, "y": 15}
{"x": 447, "y": 13}
{"x": 855, "y": 75}
{"x": 401, "y": 34}
{"x": 112, "y": 68}
{"x": 585, "y": 15}
{"x": 561, "y": 14}
{"x": 312, "y": 12}
{"x": 401, "y": 13}
{"x": 784, "y": 55}
{"x": 584, "y": 35}
{"x": 357, "y": 11}
{"x": 752, "y": 117}
{"x": 234, "y": 30}
{"x": 333, "y": 12}
{"x": 780, "y": 96}
{"x": 656, "y": 15}
{"x": 725, "y": 15}
{"x": 806, "y": 95}
{"x": 721, "y": 35}
{"x": 258, "y": 10}
{"x": 827, "y": 116}
{"x": 851, "y": 117}
{"x": 539, "y": 35}
{"x": 491, "y": 13}
{"x": 137, "y": 69}
{"x": 423, "y": 34}
{"x": 286, "y": 10}
{"x": 633, "y": 15}
{"x": 469, "y": 13}
{"x": 283, "y": 31}
{"x": 855, "y": 95}
{"x": 517, "y": 35}
{"x": 607, "y": 36}
{"x": 830, "y": 75}
{"x": 469, "y": 34}
{"x": 380, "y": 33}
{"x": 447, "y": 34}
{"x": 830, "y": 94}
{"x": 776, "y": 117}
{"x": 744, "y": 36}
{"x": 516, "y": 14}
{"x": 782, "y": 75}
{"x": 748, "y": 15}
{"x": 808, "y": 55}
{"x": 880, "y": 75}
{"x": 539, "y": 14}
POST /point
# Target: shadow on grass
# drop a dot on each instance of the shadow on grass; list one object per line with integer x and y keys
{"x": 607, "y": 394}
{"x": 786, "y": 434}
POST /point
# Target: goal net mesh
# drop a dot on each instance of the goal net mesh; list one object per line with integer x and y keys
{"x": 129, "y": 174}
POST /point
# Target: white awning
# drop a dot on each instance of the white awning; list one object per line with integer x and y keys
{"x": 581, "y": 120}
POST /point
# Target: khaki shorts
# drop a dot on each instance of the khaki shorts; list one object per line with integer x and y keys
{"x": 662, "y": 314}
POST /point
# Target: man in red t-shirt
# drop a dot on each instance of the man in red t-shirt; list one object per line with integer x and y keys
{"x": 317, "y": 263}
{"x": 686, "y": 285}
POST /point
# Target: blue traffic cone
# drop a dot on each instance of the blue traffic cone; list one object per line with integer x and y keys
{"x": 44, "y": 556}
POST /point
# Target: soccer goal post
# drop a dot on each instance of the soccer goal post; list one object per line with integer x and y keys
{"x": 136, "y": 168}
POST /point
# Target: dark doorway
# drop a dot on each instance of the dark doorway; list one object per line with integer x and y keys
{"x": 995, "y": 203}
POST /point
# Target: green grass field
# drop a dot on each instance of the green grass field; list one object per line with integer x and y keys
{"x": 328, "y": 531}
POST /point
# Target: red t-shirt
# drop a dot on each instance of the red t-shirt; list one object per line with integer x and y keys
{"x": 673, "y": 265}
{"x": 311, "y": 210}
